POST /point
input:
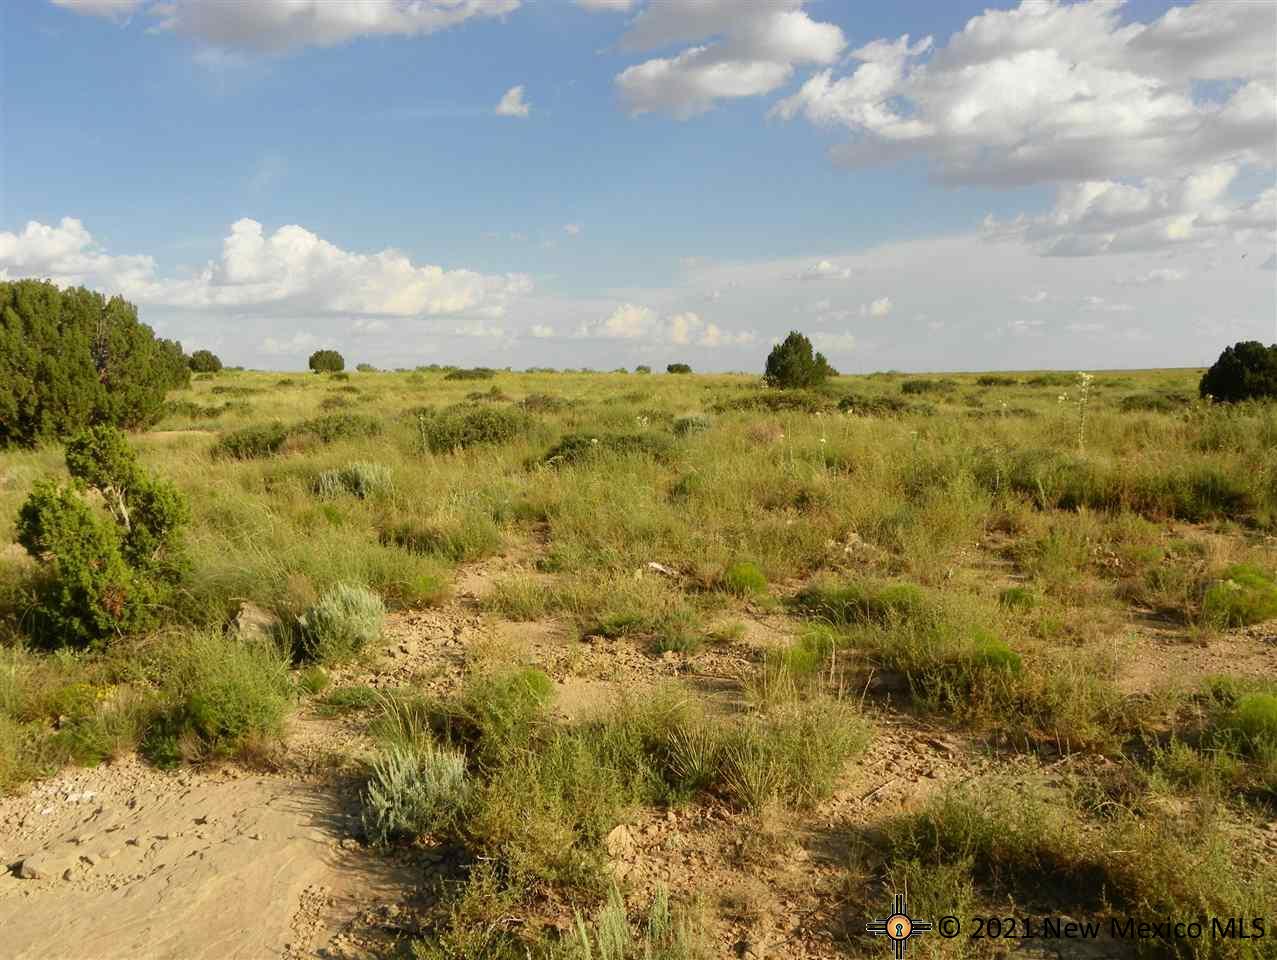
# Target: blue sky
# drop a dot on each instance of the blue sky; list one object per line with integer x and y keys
{"x": 679, "y": 187}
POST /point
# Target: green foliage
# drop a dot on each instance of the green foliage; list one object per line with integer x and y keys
{"x": 477, "y": 373}
{"x": 744, "y": 578}
{"x": 580, "y": 447}
{"x": 366, "y": 368}
{"x": 495, "y": 717}
{"x": 221, "y": 697}
{"x": 1243, "y": 594}
{"x": 665, "y": 933}
{"x": 205, "y": 361}
{"x": 995, "y": 380}
{"x": 1244, "y": 371}
{"x": 854, "y": 602}
{"x": 467, "y": 538}
{"x": 925, "y": 385}
{"x": 342, "y": 623}
{"x": 71, "y": 358}
{"x": 103, "y": 574}
{"x": 1155, "y": 402}
{"x": 791, "y": 364}
{"x": 678, "y": 368}
{"x": 804, "y": 401}
{"x": 414, "y": 792}
{"x": 642, "y": 368}
{"x": 877, "y": 406}
{"x": 338, "y": 426}
{"x": 1252, "y": 724}
{"x": 464, "y": 426}
{"x": 326, "y": 361}
{"x": 250, "y": 443}
{"x": 1018, "y": 598}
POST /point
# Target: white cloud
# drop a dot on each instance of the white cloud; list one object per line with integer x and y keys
{"x": 1154, "y": 277}
{"x": 736, "y": 50}
{"x": 512, "y": 103}
{"x": 1038, "y": 296}
{"x": 276, "y": 26}
{"x": 1105, "y": 306}
{"x": 613, "y": 6}
{"x": 1060, "y": 92}
{"x": 633, "y": 322}
{"x": 877, "y": 308}
{"x": 573, "y": 229}
{"x": 299, "y": 344}
{"x": 541, "y": 330}
{"x": 113, "y": 9}
{"x": 825, "y": 270}
{"x": 369, "y": 327}
{"x": 834, "y": 343}
{"x": 291, "y": 272}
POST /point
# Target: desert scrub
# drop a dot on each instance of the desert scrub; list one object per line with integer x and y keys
{"x": 475, "y": 373}
{"x": 105, "y": 571}
{"x": 359, "y": 479}
{"x": 580, "y": 447}
{"x": 469, "y": 537}
{"x": 691, "y": 423}
{"x": 856, "y": 602}
{"x": 342, "y": 623}
{"x": 494, "y": 717}
{"x": 338, "y": 426}
{"x": 220, "y": 697}
{"x": 744, "y": 579}
{"x": 251, "y": 443}
{"x": 459, "y": 427}
{"x": 1243, "y": 594}
{"x": 414, "y": 792}
{"x": 666, "y": 932}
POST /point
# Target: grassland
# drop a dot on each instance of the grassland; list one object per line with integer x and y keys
{"x": 753, "y": 659}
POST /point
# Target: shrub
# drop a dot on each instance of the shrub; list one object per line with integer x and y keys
{"x": 791, "y": 364}
{"x": 205, "y": 361}
{"x": 881, "y": 406}
{"x": 642, "y": 368}
{"x": 543, "y": 403}
{"x": 1018, "y": 598}
{"x": 678, "y": 368}
{"x": 994, "y": 380}
{"x": 222, "y": 696}
{"x": 339, "y": 426}
{"x": 359, "y": 479}
{"x": 801, "y": 400}
{"x": 744, "y": 578}
{"x": 924, "y": 385}
{"x": 495, "y": 717}
{"x": 326, "y": 361}
{"x": 477, "y": 373}
{"x": 250, "y": 443}
{"x": 468, "y": 538}
{"x": 365, "y": 368}
{"x": 579, "y": 447}
{"x": 1244, "y": 594}
{"x": 1244, "y": 371}
{"x": 71, "y": 358}
{"x": 412, "y": 792}
{"x": 463, "y": 426}
{"x": 858, "y": 603}
{"x": 104, "y": 575}
{"x": 1252, "y": 724}
{"x": 345, "y": 619}
{"x": 1169, "y": 402}
{"x": 692, "y": 423}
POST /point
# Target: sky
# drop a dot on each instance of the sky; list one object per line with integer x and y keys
{"x": 919, "y": 185}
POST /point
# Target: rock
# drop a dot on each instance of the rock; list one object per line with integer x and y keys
{"x": 43, "y": 866}
{"x": 255, "y": 623}
{"x": 619, "y": 843}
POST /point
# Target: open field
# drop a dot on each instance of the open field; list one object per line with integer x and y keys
{"x": 670, "y": 666}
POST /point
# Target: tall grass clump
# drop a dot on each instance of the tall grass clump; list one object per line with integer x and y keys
{"x": 342, "y": 623}
{"x": 251, "y": 443}
{"x": 220, "y": 697}
{"x": 359, "y": 479}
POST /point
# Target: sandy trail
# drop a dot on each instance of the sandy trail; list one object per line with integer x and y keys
{"x": 133, "y": 863}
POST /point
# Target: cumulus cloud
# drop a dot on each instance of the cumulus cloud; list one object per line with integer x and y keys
{"x": 512, "y": 103}
{"x": 633, "y": 322}
{"x": 1051, "y": 91}
{"x": 835, "y": 343}
{"x": 291, "y": 272}
{"x": 276, "y": 26}
{"x": 825, "y": 270}
{"x": 734, "y": 50}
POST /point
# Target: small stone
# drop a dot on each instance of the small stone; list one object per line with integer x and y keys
{"x": 67, "y": 874}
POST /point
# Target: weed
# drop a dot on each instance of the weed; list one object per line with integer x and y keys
{"x": 744, "y": 578}
{"x": 414, "y": 792}
{"x": 345, "y": 619}
{"x": 1242, "y": 595}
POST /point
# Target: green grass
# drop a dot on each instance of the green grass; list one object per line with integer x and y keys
{"x": 1242, "y": 595}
